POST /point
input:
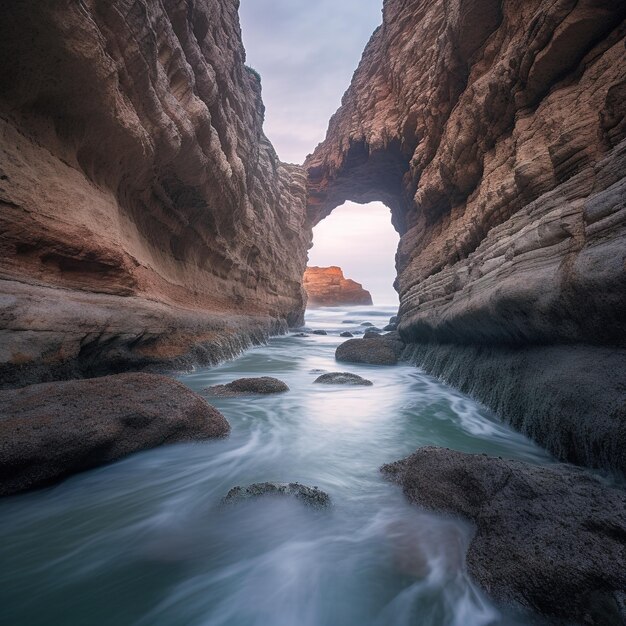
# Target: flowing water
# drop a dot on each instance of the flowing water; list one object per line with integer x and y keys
{"x": 145, "y": 542}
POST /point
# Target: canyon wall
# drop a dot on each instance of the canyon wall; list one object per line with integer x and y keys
{"x": 327, "y": 286}
{"x": 496, "y": 133}
{"x": 140, "y": 203}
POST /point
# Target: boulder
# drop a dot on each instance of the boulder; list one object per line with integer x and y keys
{"x": 248, "y": 386}
{"x": 300, "y": 335}
{"x": 320, "y": 332}
{"x": 52, "y": 430}
{"x": 346, "y": 334}
{"x": 368, "y": 324}
{"x": 374, "y": 351}
{"x": 549, "y": 538}
{"x": 390, "y": 327}
{"x": 311, "y": 496}
{"x": 342, "y": 378}
{"x": 369, "y": 333}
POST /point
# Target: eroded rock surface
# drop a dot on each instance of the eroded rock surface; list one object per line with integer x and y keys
{"x": 134, "y": 173}
{"x": 262, "y": 385}
{"x": 52, "y": 430}
{"x": 496, "y": 134}
{"x": 327, "y": 286}
{"x": 550, "y": 538}
{"x": 375, "y": 350}
{"x": 342, "y": 378}
{"x": 311, "y": 496}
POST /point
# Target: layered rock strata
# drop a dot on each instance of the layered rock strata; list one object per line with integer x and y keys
{"x": 551, "y": 539}
{"x": 52, "y": 430}
{"x": 496, "y": 133}
{"x": 327, "y": 286}
{"x": 140, "y": 202}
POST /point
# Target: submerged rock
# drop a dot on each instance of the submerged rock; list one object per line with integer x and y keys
{"x": 300, "y": 335}
{"x": 367, "y": 324}
{"x": 247, "y": 386}
{"x": 52, "y": 430}
{"x": 346, "y": 334}
{"x": 550, "y": 538}
{"x": 370, "y": 332}
{"x": 342, "y": 378}
{"x": 320, "y": 332}
{"x": 311, "y": 496}
{"x": 375, "y": 350}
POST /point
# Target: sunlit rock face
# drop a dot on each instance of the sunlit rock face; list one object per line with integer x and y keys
{"x": 496, "y": 133}
{"x": 327, "y": 286}
{"x": 141, "y": 204}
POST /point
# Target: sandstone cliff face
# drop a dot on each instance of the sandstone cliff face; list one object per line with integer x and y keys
{"x": 137, "y": 190}
{"x": 327, "y": 286}
{"x": 496, "y": 133}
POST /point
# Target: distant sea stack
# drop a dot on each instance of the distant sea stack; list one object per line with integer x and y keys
{"x": 327, "y": 286}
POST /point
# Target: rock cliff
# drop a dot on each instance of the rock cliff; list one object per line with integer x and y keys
{"x": 327, "y": 286}
{"x": 140, "y": 202}
{"x": 496, "y": 133}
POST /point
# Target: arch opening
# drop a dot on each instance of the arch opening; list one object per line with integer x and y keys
{"x": 361, "y": 240}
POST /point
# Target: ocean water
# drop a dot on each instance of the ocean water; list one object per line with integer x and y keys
{"x": 146, "y": 542}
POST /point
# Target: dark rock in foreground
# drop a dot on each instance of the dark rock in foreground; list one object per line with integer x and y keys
{"x": 375, "y": 350}
{"x": 320, "y": 332}
{"x": 346, "y": 334}
{"x": 390, "y": 327}
{"x": 247, "y": 386}
{"x": 550, "y": 538}
{"x": 342, "y": 378}
{"x": 312, "y": 496}
{"x": 52, "y": 430}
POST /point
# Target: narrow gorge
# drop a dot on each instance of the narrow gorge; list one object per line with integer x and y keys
{"x": 148, "y": 228}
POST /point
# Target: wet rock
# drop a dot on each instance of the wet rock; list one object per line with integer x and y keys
{"x": 52, "y": 430}
{"x": 394, "y": 320}
{"x": 248, "y": 386}
{"x": 373, "y": 350}
{"x": 342, "y": 378}
{"x": 368, "y": 324}
{"x": 300, "y": 335}
{"x": 369, "y": 333}
{"x": 346, "y": 334}
{"x": 550, "y": 538}
{"x": 311, "y": 496}
{"x": 320, "y": 332}
{"x": 390, "y": 327}
{"x": 349, "y": 322}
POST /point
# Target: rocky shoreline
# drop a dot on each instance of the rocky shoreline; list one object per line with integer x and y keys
{"x": 551, "y": 539}
{"x": 148, "y": 224}
{"x": 551, "y": 394}
{"x": 53, "y": 430}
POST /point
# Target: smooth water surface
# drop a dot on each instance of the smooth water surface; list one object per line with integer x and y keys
{"x": 145, "y": 542}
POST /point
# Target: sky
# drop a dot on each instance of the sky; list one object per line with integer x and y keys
{"x": 306, "y": 52}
